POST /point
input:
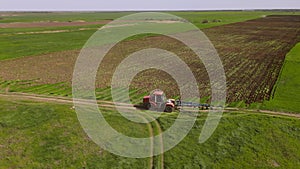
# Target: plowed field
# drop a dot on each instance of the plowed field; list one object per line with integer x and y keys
{"x": 252, "y": 53}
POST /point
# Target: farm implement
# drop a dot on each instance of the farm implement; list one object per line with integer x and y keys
{"x": 157, "y": 101}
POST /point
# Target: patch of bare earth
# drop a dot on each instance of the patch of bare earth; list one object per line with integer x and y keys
{"x": 273, "y": 163}
{"x": 49, "y": 68}
{"x": 252, "y": 53}
{"x": 49, "y": 32}
{"x": 8, "y": 14}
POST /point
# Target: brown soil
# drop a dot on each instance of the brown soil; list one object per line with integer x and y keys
{"x": 47, "y": 69}
{"x": 252, "y": 53}
{"x": 256, "y": 49}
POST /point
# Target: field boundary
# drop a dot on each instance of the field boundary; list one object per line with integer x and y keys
{"x": 108, "y": 104}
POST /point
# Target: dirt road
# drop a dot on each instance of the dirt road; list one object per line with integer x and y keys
{"x": 108, "y": 104}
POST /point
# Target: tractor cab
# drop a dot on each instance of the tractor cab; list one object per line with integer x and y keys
{"x": 157, "y": 101}
{"x": 157, "y": 97}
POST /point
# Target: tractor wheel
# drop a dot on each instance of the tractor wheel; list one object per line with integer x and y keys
{"x": 148, "y": 106}
{"x": 169, "y": 109}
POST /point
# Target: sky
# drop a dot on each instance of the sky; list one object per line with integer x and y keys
{"x": 115, "y": 5}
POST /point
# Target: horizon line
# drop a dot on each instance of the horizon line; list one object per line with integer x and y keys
{"x": 148, "y": 10}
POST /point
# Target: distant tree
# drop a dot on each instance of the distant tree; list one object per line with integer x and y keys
{"x": 205, "y": 21}
{"x": 217, "y": 20}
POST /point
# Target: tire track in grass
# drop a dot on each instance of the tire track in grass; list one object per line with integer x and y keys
{"x": 160, "y": 138}
{"x": 151, "y": 135}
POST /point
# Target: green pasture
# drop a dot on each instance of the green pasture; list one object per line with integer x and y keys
{"x": 13, "y": 45}
{"x": 46, "y": 135}
{"x": 193, "y": 16}
{"x": 60, "y": 16}
{"x": 22, "y": 45}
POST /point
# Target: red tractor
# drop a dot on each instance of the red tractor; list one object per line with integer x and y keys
{"x": 157, "y": 101}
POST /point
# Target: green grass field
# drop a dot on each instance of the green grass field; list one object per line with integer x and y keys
{"x": 61, "y": 90}
{"x": 41, "y": 135}
{"x": 22, "y": 45}
{"x": 62, "y": 16}
{"x": 13, "y": 45}
{"x": 194, "y": 17}
{"x": 225, "y": 17}
{"x": 45, "y": 135}
{"x": 287, "y": 90}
